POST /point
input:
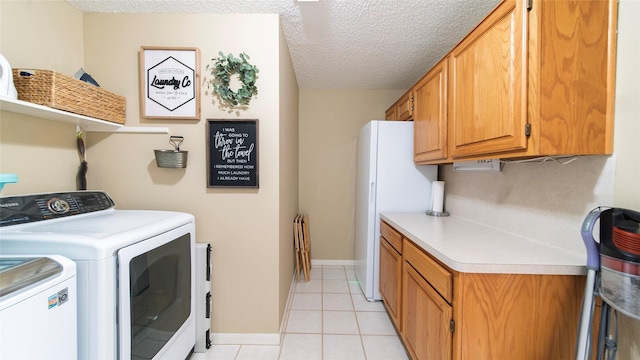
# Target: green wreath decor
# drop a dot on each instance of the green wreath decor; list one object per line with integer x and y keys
{"x": 224, "y": 67}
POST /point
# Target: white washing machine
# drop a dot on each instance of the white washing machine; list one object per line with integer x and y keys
{"x": 38, "y": 307}
{"x": 135, "y": 269}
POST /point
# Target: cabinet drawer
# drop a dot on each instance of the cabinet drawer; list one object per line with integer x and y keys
{"x": 439, "y": 277}
{"x": 391, "y": 235}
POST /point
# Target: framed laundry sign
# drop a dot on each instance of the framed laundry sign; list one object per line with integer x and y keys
{"x": 232, "y": 153}
{"x": 169, "y": 82}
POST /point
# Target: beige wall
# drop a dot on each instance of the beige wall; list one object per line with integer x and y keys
{"x": 289, "y": 165}
{"x": 42, "y": 35}
{"x": 244, "y": 226}
{"x": 41, "y": 152}
{"x": 627, "y": 144}
{"x": 627, "y": 107}
{"x": 329, "y": 125}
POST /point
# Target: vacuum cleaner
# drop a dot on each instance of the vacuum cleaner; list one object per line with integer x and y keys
{"x": 613, "y": 274}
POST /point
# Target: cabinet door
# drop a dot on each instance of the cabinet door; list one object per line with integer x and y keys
{"x": 430, "y": 115}
{"x": 391, "y": 280}
{"x": 390, "y": 114}
{"x": 404, "y": 106}
{"x": 488, "y": 103}
{"x": 426, "y": 318}
{"x": 576, "y": 62}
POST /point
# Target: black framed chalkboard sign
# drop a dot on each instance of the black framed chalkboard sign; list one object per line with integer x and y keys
{"x": 232, "y": 153}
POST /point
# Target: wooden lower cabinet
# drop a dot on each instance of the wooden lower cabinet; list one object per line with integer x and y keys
{"x": 426, "y": 321}
{"x": 391, "y": 272}
{"x": 446, "y": 314}
{"x": 512, "y": 316}
{"x": 391, "y": 280}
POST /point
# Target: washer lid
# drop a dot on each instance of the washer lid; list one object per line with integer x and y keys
{"x": 18, "y": 273}
{"x": 95, "y": 236}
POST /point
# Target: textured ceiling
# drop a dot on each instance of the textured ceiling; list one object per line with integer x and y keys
{"x": 344, "y": 44}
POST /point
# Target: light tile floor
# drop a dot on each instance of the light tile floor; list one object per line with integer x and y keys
{"x": 329, "y": 319}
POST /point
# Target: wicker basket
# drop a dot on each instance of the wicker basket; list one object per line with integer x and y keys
{"x": 62, "y": 92}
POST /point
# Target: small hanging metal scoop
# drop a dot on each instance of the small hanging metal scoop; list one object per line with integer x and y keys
{"x": 172, "y": 158}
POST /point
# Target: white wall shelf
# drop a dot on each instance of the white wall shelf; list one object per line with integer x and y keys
{"x": 88, "y": 124}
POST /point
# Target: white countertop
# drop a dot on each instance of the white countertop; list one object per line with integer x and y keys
{"x": 467, "y": 246}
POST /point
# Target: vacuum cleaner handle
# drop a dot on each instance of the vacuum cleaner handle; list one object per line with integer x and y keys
{"x": 593, "y": 254}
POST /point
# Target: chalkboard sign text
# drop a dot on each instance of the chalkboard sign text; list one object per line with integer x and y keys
{"x": 232, "y": 153}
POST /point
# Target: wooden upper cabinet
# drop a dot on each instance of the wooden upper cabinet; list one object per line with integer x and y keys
{"x": 402, "y": 109}
{"x": 430, "y": 115}
{"x": 572, "y": 62}
{"x": 535, "y": 82}
{"x": 390, "y": 114}
{"x": 404, "y": 106}
{"x": 487, "y": 112}
{"x": 526, "y": 82}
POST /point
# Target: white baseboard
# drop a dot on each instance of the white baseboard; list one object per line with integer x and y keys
{"x": 246, "y": 339}
{"x": 332, "y": 262}
{"x": 285, "y": 317}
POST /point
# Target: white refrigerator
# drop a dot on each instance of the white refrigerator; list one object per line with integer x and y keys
{"x": 386, "y": 181}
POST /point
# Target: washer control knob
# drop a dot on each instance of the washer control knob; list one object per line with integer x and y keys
{"x": 58, "y": 206}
